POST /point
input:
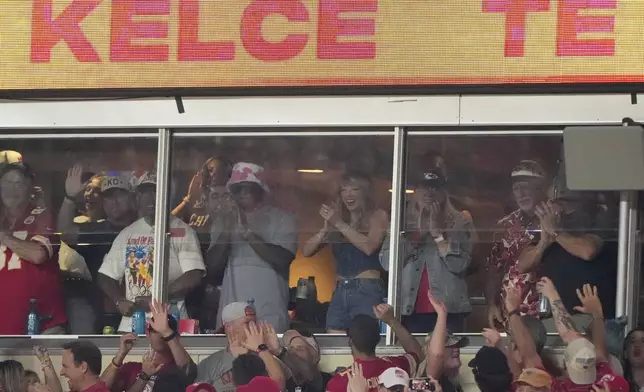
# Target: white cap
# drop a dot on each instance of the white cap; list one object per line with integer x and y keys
{"x": 392, "y": 377}
{"x": 236, "y": 310}
{"x": 581, "y": 361}
{"x": 111, "y": 181}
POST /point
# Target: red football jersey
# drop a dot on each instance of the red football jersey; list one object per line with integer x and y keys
{"x": 372, "y": 369}
{"x": 22, "y": 280}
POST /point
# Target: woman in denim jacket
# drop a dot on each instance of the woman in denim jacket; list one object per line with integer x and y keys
{"x": 437, "y": 247}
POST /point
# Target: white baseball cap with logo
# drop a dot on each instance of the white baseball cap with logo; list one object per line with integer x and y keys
{"x": 115, "y": 181}
{"x": 581, "y": 361}
{"x": 392, "y": 377}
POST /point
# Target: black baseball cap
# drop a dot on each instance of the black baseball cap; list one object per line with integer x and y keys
{"x": 489, "y": 361}
{"x": 432, "y": 178}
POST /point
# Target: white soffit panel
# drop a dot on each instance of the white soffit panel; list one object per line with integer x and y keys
{"x": 549, "y": 109}
{"x": 232, "y": 112}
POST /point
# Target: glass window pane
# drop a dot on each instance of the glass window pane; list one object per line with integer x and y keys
{"x": 256, "y": 201}
{"x": 472, "y": 214}
{"x": 63, "y": 202}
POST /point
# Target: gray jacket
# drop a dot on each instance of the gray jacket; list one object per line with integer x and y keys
{"x": 446, "y": 272}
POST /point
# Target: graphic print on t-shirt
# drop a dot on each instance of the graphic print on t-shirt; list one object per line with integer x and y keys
{"x": 139, "y": 255}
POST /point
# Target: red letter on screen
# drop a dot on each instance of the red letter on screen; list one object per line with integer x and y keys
{"x": 190, "y": 49}
{"x": 251, "y": 29}
{"x": 570, "y": 24}
{"x": 516, "y": 12}
{"x": 124, "y": 29}
{"x": 330, "y": 27}
{"x": 46, "y": 33}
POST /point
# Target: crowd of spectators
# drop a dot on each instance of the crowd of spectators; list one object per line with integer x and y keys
{"x": 230, "y": 250}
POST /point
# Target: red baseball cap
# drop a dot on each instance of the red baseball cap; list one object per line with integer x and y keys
{"x": 615, "y": 383}
{"x": 200, "y": 387}
{"x": 259, "y": 384}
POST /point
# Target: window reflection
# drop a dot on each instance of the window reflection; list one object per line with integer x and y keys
{"x": 63, "y": 205}
{"x": 500, "y": 189}
{"x": 267, "y": 198}
{"x": 297, "y": 226}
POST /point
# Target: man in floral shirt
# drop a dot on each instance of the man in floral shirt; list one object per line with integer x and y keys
{"x": 517, "y": 231}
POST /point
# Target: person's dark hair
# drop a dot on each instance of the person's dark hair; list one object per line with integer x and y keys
{"x": 628, "y": 369}
{"x": 224, "y": 171}
{"x": 86, "y": 351}
{"x": 246, "y": 367}
{"x": 364, "y": 334}
{"x": 255, "y": 190}
{"x": 172, "y": 380}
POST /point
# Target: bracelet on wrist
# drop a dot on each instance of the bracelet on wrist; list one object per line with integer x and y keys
{"x": 173, "y": 335}
{"x": 515, "y": 312}
{"x": 70, "y": 198}
{"x": 143, "y": 376}
{"x": 115, "y": 365}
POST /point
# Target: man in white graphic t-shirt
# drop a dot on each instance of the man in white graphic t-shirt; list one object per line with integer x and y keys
{"x": 132, "y": 254}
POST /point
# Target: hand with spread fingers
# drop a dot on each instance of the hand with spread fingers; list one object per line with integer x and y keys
{"x": 548, "y": 214}
{"x": 357, "y": 382}
{"x": 254, "y": 336}
{"x": 73, "y": 184}
{"x": 590, "y": 303}
{"x": 235, "y": 342}
{"x": 159, "y": 320}
{"x": 270, "y": 337}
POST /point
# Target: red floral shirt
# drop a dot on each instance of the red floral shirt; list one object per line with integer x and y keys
{"x": 516, "y": 233}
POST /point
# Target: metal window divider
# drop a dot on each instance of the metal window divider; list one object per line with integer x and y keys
{"x": 161, "y": 217}
{"x": 397, "y": 207}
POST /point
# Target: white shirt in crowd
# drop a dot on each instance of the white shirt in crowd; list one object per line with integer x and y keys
{"x": 132, "y": 254}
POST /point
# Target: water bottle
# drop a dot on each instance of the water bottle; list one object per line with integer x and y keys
{"x": 174, "y": 310}
{"x": 33, "y": 319}
{"x": 138, "y": 322}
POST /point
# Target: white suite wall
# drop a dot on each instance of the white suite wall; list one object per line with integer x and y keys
{"x": 443, "y": 110}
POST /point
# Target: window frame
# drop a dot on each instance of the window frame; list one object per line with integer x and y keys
{"x": 439, "y": 115}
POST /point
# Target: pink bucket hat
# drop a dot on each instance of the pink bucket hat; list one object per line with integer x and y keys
{"x": 247, "y": 172}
